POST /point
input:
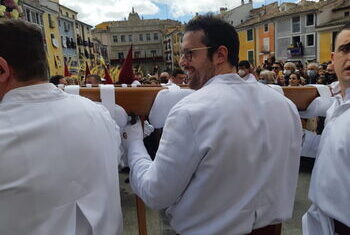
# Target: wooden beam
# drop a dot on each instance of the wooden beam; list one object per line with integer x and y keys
{"x": 139, "y": 100}
{"x": 301, "y": 96}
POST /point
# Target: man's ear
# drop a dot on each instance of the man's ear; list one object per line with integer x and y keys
{"x": 4, "y": 70}
{"x": 332, "y": 57}
{"x": 222, "y": 54}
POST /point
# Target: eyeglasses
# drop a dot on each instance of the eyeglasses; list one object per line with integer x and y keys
{"x": 187, "y": 53}
{"x": 275, "y": 67}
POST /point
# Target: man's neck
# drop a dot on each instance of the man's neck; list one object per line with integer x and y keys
{"x": 224, "y": 69}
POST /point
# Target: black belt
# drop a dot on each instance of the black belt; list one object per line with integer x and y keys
{"x": 341, "y": 228}
{"x": 274, "y": 229}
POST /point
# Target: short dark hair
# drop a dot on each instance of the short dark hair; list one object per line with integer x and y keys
{"x": 22, "y": 46}
{"x": 177, "y": 71}
{"x": 217, "y": 33}
{"x": 56, "y": 79}
{"x": 97, "y": 77}
{"x": 244, "y": 63}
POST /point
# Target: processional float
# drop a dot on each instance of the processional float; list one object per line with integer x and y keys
{"x": 139, "y": 100}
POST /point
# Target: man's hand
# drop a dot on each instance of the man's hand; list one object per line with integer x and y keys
{"x": 147, "y": 129}
{"x": 133, "y": 132}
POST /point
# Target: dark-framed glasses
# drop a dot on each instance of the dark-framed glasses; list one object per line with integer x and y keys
{"x": 187, "y": 53}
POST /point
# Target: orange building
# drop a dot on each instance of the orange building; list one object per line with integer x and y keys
{"x": 265, "y": 42}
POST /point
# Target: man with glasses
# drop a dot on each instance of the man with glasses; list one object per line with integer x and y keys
{"x": 228, "y": 158}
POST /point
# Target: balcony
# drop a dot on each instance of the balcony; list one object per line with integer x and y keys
{"x": 140, "y": 60}
{"x": 295, "y": 50}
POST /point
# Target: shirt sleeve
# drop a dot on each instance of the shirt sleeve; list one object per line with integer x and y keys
{"x": 161, "y": 182}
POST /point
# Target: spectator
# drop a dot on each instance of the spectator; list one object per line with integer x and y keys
{"x": 312, "y": 73}
{"x": 93, "y": 79}
{"x": 164, "y": 77}
{"x": 58, "y": 79}
{"x": 289, "y": 68}
{"x": 267, "y": 77}
{"x": 294, "y": 79}
{"x": 178, "y": 77}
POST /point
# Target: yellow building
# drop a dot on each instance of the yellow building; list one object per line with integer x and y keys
{"x": 335, "y": 17}
{"x": 247, "y": 47}
{"x": 52, "y": 38}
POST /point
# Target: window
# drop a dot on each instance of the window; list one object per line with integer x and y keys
{"x": 67, "y": 14}
{"x": 347, "y": 13}
{"x": 28, "y": 15}
{"x": 296, "y": 24}
{"x": 309, "y": 19}
{"x": 73, "y": 16}
{"x": 251, "y": 57}
{"x": 310, "y": 40}
{"x": 130, "y": 38}
{"x": 148, "y": 37}
{"x": 33, "y": 17}
{"x": 266, "y": 28}
{"x": 115, "y": 38}
{"x": 141, "y": 37}
{"x": 122, "y": 38}
{"x": 266, "y": 44}
{"x": 137, "y": 54}
{"x": 51, "y": 24}
{"x": 155, "y": 36}
{"x": 250, "y": 34}
{"x": 296, "y": 41}
{"x": 77, "y": 25}
{"x": 121, "y": 55}
{"x": 153, "y": 53}
{"x": 37, "y": 18}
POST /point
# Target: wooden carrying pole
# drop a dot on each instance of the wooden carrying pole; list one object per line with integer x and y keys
{"x": 139, "y": 100}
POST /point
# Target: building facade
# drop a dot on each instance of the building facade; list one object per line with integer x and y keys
{"x": 146, "y": 36}
{"x": 172, "y": 46}
{"x": 257, "y": 35}
{"x": 66, "y": 24}
{"x": 52, "y": 37}
{"x": 329, "y": 22}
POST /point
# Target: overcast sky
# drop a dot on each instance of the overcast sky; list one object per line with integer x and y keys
{"x": 96, "y": 11}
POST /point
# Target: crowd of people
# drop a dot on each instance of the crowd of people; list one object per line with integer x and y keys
{"x": 227, "y": 161}
{"x": 290, "y": 73}
{"x": 271, "y": 72}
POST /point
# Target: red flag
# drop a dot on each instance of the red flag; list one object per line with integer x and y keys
{"x": 126, "y": 74}
{"x": 107, "y": 76}
{"x": 66, "y": 71}
{"x": 87, "y": 70}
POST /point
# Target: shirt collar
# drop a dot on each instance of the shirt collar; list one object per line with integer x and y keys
{"x": 228, "y": 78}
{"x": 347, "y": 95}
{"x": 44, "y": 91}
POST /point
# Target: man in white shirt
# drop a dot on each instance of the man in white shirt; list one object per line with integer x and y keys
{"x": 228, "y": 158}
{"x": 329, "y": 192}
{"x": 58, "y": 152}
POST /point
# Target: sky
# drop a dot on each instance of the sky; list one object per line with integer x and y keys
{"x": 94, "y": 12}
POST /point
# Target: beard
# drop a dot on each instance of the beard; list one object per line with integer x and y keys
{"x": 198, "y": 78}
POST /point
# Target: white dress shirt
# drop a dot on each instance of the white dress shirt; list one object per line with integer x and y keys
{"x": 58, "y": 159}
{"x": 227, "y": 161}
{"x": 330, "y": 181}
